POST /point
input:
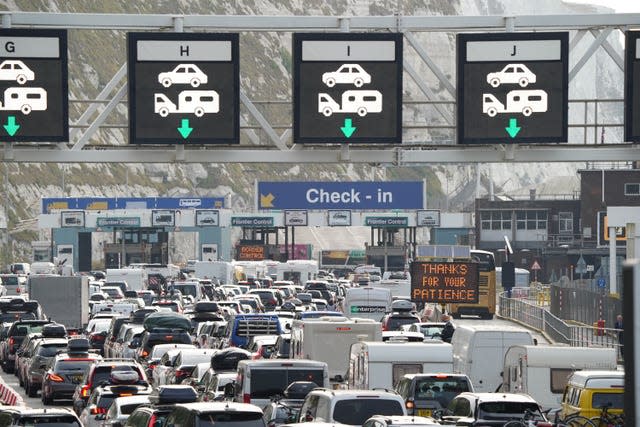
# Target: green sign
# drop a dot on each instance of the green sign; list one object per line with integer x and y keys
{"x": 252, "y": 221}
{"x": 118, "y": 222}
{"x": 383, "y": 221}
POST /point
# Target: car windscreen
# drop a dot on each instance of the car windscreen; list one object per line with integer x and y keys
{"x": 507, "y": 410}
{"x": 357, "y": 411}
{"x": 72, "y": 365}
{"x": 266, "y": 383}
{"x": 231, "y": 419}
{"x": 394, "y": 323}
{"x": 50, "y": 350}
{"x": 50, "y": 421}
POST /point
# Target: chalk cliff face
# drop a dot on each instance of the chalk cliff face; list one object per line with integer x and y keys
{"x": 96, "y": 55}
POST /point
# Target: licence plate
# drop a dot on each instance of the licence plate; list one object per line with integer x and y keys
{"x": 424, "y": 412}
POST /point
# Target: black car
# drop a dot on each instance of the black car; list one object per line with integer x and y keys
{"x": 21, "y": 416}
{"x": 162, "y": 404}
{"x": 161, "y": 336}
{"x": 18, "y": 331}
{"x": 64, "y": 373}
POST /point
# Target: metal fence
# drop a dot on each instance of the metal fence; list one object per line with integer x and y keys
{"x": 534, "y": 307}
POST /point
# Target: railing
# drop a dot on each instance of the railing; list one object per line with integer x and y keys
{"x": 530, "y": 307}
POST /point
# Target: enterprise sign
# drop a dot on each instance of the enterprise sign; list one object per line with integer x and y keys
{"x": 444, "y": 282}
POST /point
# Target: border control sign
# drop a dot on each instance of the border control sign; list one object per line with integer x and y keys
{"x": 444, "y": 282}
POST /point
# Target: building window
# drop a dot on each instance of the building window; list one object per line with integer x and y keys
{"x": 632, "y": 189}
{"x": 531, "y": 220}
{"x": 565, "y": 222}
{"x": 495, "y": 220}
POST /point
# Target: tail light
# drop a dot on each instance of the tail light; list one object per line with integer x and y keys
{"x": 152, "y": 421}
{"x": 246, "y": 398}
{"x": 544, "y": 424}
{"x": 97, "y": 410}
{"x": 273, "y": 302}
{"x": 180, "y": 373}
{"x": 11, "y": 344}
{"x": 144, "y": 354}
{"x": 409, "y": 404}
{"x": 85, "y": 390}
{"x": 96, "y": 337}
{"x": 55, "y": 378}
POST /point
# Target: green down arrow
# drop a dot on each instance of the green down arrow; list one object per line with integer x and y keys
{"x": 11, "y": 127}
{"x": 513, "y": 128}
{"x": 348, "y": 128}
{"x": 185, "y": 130}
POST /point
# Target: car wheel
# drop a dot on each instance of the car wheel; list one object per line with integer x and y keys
{"x": 358, "y": 82}
{"x": 495, "y": 82}
{"x": 164, "y": 112}
{"x": 199, "y": 112}
{"x": 26, "y": 109}
{"x": 491, "y": 112}
{"x": 523, "y": 82}
{"x": 21, "y": 79}
{"x": 331, "y": 82}
{"x": 526, "y": 111}
{"x": 327, "y": 111}
{"x": 362, "y": 111}
{"x": 195, "y": 82}
{"x": 166, "y": 82}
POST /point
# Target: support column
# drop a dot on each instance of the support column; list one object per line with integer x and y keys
{"x": 613, "y": 272}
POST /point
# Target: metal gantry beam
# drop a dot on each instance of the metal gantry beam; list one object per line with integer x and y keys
{"x": 275, "y": 149}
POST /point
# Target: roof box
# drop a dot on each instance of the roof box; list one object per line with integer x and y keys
{"x": 169, "y": 394}
{"x": 54, "y": 330}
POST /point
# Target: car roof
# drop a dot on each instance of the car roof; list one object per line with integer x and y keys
{"x": 201, "y": 407}
{"x": 401, "y": 420}
{"x": 136, "y": 398}
{"x": 357, "y": 393}
{"x": 434, "y": 374}
{"x": 498, "y": 397}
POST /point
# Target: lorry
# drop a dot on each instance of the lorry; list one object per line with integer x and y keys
{"x": 479, "y": 350}
{"x": 382, "y": 364}
{"x": 221, "y": 270}
{"x": 63, "y": 299}
{"x": 543, "y": 371}
{"x": 136, "y": 278}
{"x": 329, "y": 338}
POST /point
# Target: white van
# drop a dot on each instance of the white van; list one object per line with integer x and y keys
{"x": 543, "y": 371}
{"x": 367, "y": 302}
{"x": 479, "y": 351}
{"x": 135, "y": 278}
{"x": 382, "y": 364}
{"x": 329, "y": 338}
{"x": 259, "y": 380}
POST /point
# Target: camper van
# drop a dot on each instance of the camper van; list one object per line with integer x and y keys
{"x": 310, "y": 339}
{"x": 588, "y": 391}
{"x": 259, "y": 380}
{"x": 479, "y": 351}
{"x": 382, "y": 364}
{"x": 367, "y": 302}
{"x": 542, "y": 371}
{"x": 360, "y": 102}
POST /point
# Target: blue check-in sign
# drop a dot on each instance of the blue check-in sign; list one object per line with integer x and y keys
{"x": 340, "y": 195}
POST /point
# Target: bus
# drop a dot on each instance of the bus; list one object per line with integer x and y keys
{"x": 486, "y": 306}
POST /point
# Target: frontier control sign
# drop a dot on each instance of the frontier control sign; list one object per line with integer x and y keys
{"x": 444, "y": 282}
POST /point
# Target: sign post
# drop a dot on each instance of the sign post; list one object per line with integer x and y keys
{"x": 184, "y": 88}
{"x": 33, "y": 85}
{"x": 347, "y": 88}
{"x": 513, "y": 88}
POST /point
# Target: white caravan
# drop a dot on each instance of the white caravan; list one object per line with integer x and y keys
{"x": 329, "y": 339}
{"x": 298, "y": 271}
{"x": 221, "y": 270}
{"x": 479, "y": 350}
{"x": 24, "y": 99}
{"x": 198, "y": 102}
{"x": 381, "y": 364}
{"x": 360, "y": 102}
{"x": 136, "y": 278}
{"x": 543, "y": 371}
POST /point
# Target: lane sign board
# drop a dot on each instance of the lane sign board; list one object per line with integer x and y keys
{"x": 296, "y": 218}
{"x": 339, "y": 218}
{"x": 340, "y": 195}
{"x": 184, "y": 88}
{"x": 632, "y": 87}
{"x": 347, "y": 88}
{"x": 428, "y": 218}
{"x": 34, "y": 85}
{"x": 513, "y": 88}
{"x": 207, "y": 218}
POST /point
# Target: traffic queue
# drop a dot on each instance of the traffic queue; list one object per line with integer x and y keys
{"x": 260, "y": 352}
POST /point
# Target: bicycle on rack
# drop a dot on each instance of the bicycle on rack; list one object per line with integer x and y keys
{"x": 606, "y": 419}
{"x": 528, "y": 420}
{"x": 574, "y": 420}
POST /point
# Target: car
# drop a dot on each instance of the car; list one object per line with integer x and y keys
{"x": 120, "y": 409}
{"x": 262, "y": 346}
{"x": 205, "y": 414}
{"x": 281, "y": 347}
{"x": 35, "y": 367}
{"x": 214, "y": 385}
{"x": 63, "y": 374}
{"x": 16, "y": 70}
{"x": 425, "y": 393}
{"x": 22, "y": 416}
{"x": 430, "y": 330}
{"x": 157, "y": 353}
{"x": 347, "y": 74}
{"x": 101, "y": 399}
{"x": 183, "y": 74}
{"x": 100, "y": 372}
{"x": 512, "y": 74}
{"x": 393, "y": 321}
{"x": 162, "y": 402}
{"x": 489, "y": 409}
{"x": 161, "y": 336}
{"x": 16, "y": 334}
{"x": 351, "y": 407}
